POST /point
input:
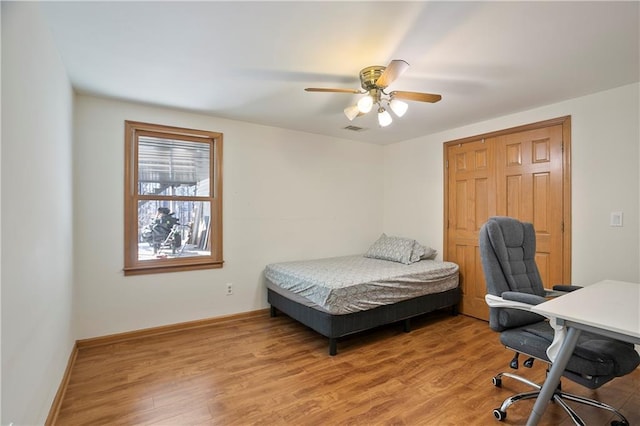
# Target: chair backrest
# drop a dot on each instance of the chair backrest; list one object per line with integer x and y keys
{"x": 507, "y": 250}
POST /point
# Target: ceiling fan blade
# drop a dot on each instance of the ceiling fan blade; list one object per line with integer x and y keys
{"x": 320, "y": 89}
{"x": 416, "y": 96}
{"x": 393, "y": 71}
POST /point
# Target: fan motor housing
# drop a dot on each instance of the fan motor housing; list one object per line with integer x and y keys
{"x": 369, "y": 76}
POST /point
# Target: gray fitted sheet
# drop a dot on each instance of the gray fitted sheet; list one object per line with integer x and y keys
{"x": 347, "y": 284}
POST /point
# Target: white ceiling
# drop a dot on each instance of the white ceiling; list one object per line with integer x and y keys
{"x": 250, "y": 61}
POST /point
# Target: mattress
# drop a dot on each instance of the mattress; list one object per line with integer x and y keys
{"x": 347, "y": 284}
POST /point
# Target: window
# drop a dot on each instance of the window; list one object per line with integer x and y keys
{"x": 173, "y": 199}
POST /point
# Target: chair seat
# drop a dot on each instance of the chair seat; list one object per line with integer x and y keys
{"x": 597, "y": 358}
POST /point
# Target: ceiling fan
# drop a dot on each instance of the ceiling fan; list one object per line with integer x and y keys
{"x": 374, "y": 80}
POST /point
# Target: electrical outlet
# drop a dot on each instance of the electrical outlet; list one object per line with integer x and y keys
{"x": 229, "y": 289}
{"x": 616, "y": 219}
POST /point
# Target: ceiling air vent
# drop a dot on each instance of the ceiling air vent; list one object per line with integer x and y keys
{"x": 354, "y": 128}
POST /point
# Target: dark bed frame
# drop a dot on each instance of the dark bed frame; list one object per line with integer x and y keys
{"x": 336, "y": 326}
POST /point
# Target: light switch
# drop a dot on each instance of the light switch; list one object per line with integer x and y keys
{"x": 616, "y": 219}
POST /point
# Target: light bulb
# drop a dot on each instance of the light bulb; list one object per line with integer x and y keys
{"x": 384, "y": 118}
{"x": 365, "y": 104}
{"x": 351, "y": 112}
{"x": 398, "y": 107}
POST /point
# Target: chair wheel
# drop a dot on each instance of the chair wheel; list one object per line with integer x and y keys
{"x": 619, "y": 423}
{"x": 497, "y": 382}
{"x": 499, "y": 414}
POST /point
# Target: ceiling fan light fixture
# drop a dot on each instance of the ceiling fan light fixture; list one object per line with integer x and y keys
{"x": 374, "y": 80}
{"x": 351, "y": 112}
{"x": 365, "y": 104}
{"x": 384, "y": 118}
{"x": 399, "y": 108}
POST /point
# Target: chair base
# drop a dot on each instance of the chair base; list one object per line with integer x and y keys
{"x": 558, "y": 396}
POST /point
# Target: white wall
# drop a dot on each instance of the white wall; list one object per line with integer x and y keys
{"x": 605, "y": 178}
{"x": 287, "y": 195}
{"x": 37, "y": 216}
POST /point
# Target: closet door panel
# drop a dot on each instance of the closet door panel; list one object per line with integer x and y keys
{"x": 529, "y": 188}
{"x": 470, "y": 193}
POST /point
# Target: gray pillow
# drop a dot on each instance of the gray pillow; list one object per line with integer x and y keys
{"x": 418, "y": 252}
{"x": 395, "y": 249}
{"x": 422, "y": 252}
{"x": 429, "y": 253}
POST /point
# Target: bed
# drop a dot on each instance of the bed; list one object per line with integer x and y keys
{"x": 343, "y": 295}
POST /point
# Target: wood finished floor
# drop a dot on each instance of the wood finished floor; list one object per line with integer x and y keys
{"x": 274, "y": 371}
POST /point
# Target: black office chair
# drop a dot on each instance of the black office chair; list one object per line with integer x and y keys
{"x": 507, "y": 250}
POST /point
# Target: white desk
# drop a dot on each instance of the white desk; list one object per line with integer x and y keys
{"x": 608, "y": 308}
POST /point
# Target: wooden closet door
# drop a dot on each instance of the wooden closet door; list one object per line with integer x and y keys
{"x": 471, "y": 195}
{"x": 529, "y": 188}
{"x": 523, "y": 173}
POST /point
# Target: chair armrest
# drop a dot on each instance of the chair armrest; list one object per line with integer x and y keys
{"x": 529, "y": 299}
{"x": 499, "y": 302}
{"x": 566, "y": 288}
{"x": 560, "y": 290}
